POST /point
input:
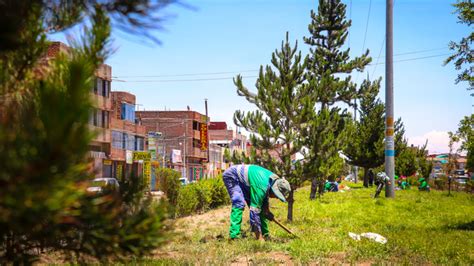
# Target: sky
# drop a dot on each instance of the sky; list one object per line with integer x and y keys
{"x": 238, "y": 36}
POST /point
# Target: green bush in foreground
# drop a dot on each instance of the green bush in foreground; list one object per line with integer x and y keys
{"x": 45, "y": 106}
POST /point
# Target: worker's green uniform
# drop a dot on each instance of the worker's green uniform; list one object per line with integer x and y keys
{"x": 248, "y": 184}
{"x": 423, "y": 184}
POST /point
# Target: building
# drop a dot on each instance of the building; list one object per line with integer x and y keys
{"x": 216, "y": 163}
{"x": 127, "y": 135}
{"x": 113, "y": 121}
{"x": 99, "y": 148}
{"x": 440, "y": 161}
{"x": 181, "y": 140}
{"x": 221, "y": 135}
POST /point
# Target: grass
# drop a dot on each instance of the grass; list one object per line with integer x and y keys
{"x": 421, "y": 228}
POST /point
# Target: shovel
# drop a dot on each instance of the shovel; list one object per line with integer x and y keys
{"x": 284, "y": 227}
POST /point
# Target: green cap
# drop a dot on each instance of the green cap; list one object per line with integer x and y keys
{"x": 281, "y": 188}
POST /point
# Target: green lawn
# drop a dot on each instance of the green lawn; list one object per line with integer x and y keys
{"x": 420, "y": 227}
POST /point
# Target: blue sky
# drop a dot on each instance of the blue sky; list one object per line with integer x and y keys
{"x": 240, "y": 35}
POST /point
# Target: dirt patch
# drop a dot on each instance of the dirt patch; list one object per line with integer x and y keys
{"x": 240, "y": 261}
{"x": 280, "y": 258}
{"x": 218, "y": 218}
{"x": 275, "y": 257}
{"x": 340, "y": 258}
{"x": 167, "y": 254}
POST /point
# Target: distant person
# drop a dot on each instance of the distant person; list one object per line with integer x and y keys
{"x": 423, "y": 185}
{"x": 371, "y": 177}
{"x": 331, "y": 186}
{"x": 403, "y": 183}
{"x": 253, "y": 185}
{"x": 382, "y": 180}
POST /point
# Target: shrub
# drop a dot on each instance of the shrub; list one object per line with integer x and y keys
{"x": 219, "y": 195}
{"x": 202, "y": 196}
{"x": 440, "y": 183}
{"x": 168, "y": 182}
{"x": 470, "y": 186}
{"x": 187, "y": 200}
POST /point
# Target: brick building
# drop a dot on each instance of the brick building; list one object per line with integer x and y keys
{"x": 113, "y": 121}
{"x": 180, "y": 141}
{"x": 221, "y": 135}
{"x": 127, "y": 135}
{"x": 99, "y": 119}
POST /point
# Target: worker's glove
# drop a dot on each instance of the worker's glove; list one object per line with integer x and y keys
{"x": 269, "y": 215}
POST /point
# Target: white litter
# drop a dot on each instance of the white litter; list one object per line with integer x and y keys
{"x": 372, "y": 236}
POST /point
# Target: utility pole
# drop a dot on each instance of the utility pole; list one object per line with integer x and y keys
{"x": 356, "y": 169}
{"x": 184, "y": 150}
{"x": 207, "y": 136}
{"x": 389, "y": 124}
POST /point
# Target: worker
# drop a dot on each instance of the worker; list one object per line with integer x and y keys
{"x": 404, "y": 183}
{"x": 382, "y": 180}
{"x": 423, "y": 185}
{"x": 253, "y": 184}
{"x": 331, "y": 186}
{"x": 370, "y": 175}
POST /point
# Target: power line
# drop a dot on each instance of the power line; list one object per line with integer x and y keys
{"x": 189, "y": 74}
{"x": 378, "y": 57}
{"x": 117, "y": 78}
{"x": 180, "y": 80}
{"x": 349, "y": 30}
{"x": 413, "y": 59}
{"x": 367, "y": 25}
{"x": 365, "y": 35}
{"x": 230, "y": 78}
{"x": 421, "y": 51}
{"x": 405, "y": 53}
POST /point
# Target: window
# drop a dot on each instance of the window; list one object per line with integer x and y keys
{"x": 98, "y": 88}
{"x": 139, "y": 141}
{"x": 95, "y": 117}
{"x": 99, "y": 121}
{"x": 196, "y": 125}
{"x": 105, "y": 119}
{"x": 128, "y": 112}
{"x": 91, "y": 117}
{"x": 129, "y": 141}
{"x": 95, "y": 86}
{"x": 117, "y": 139}
{"x": 105, "y": 88}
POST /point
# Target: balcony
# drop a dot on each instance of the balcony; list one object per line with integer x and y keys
{"x": 101, "y": 102}
{"x": 102, "y": 134}
{"x": 127, "y": 126}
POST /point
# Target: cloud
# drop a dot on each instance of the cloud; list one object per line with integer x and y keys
{"x": 438, "y": 141}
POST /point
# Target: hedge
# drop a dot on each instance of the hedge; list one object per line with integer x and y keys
{"x": 201, "y": 196}
{"x": 168, "y": 182}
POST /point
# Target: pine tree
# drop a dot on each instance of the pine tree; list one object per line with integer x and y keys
{"x": 328, "y": 75}
{"x": 366, "y": 147}
{"x": 283, "y": 105}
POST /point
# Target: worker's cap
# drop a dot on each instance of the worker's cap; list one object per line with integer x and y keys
{"x": 281, "y": 188}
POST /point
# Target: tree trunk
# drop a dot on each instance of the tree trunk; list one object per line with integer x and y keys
{"x": 321, "y": 187}
{"x": 356, "y": 178}
{"x": 366, "y": 177}
{"x": 314, "y": 188}
{"x": 291, "y": 200}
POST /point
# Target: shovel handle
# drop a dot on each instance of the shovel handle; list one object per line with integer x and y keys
{"x": 284, "y": 227}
